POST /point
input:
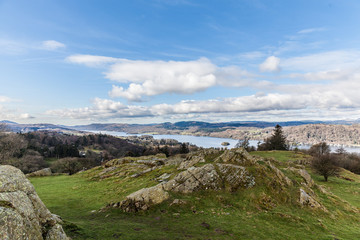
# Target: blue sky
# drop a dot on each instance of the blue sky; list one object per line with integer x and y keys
{"x": 145, "y": 61}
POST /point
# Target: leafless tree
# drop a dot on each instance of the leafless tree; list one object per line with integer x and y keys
{"x": 11, "y": 144}
{"x": 324, "y": 165}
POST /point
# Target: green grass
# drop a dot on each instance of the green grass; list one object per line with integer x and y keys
{"x": 257, "y": 213}
{"x": 282, "y": 156}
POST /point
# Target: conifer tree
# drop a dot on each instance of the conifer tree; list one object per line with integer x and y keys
{"x": 277, "y": 141}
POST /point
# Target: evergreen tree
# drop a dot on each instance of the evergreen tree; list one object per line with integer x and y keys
{"x": 277, "y": 141}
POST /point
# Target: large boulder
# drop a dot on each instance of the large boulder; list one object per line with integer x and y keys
{"x": 143, "y": 199}
{"x": 40, "y": 173}
{"x": 22, "y": 214}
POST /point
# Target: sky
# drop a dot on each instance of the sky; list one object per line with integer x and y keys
{"x": 147, "y": 61}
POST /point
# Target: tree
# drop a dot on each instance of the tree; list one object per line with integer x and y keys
{"x": 244, "y": 143}
{"x": 319, "y": 149}
{"x": 324, "y": 165}
{"x": 11, "y": 145}
{"x": 184, "y": 148}
{"x": 277, "y": 141}
{"x": 67, "y": 165}
{"x": 30, "y": 162}
{"x": 323, "y": 162}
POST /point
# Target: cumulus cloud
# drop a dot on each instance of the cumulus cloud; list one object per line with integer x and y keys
{"x": 264, "y": 103}
{"x": 141, "y": 79}
{"x": 149, "y": 78}
{"x": 271, "y": 64}
{"x": 52, "y": 45}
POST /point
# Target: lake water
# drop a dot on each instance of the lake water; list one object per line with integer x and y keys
{"x": 208, "y": 142}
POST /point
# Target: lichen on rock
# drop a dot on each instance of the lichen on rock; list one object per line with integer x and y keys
{"x": 22, "y": 214}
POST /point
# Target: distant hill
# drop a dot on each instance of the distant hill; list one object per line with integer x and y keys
{"x": 346, "y": 132}
{"x": 7, "y": 122}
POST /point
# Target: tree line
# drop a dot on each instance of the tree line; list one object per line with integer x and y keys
{"x": 70, "y": 153}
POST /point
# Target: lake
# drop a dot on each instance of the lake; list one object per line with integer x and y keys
{"x": 208, "y": 142}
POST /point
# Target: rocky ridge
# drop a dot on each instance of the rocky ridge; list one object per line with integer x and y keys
{"x": 22, "y": 213}
{"x": 215, "y": 170}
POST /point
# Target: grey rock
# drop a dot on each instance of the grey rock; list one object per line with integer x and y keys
{"x": 284, "y": 180}
{"x": 306, "y": 200}
{"x": 195, "y": 179}
{"x": 144, "y": 199}
{"x": 304, "y": 174}
{"x": 238, "y": 156}
{"x": 22, "y": 214}
{"x": 41, "y": 173}
{"x": 235, "y": 176}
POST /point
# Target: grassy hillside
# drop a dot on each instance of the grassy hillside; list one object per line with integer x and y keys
{"x": 266, "y": 211}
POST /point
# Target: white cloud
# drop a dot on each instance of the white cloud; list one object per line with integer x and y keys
{"x": 311, "y": 30}
{"x": 323, "y": 75}
{"x": 4, "y": 99}
{"x": 149, "y": 78}
{"x": 102, "y": 109}
{"x": 11, "y": 114}
{"x": 271, "y": 64}
{"x": 324, "y": 61}
{"x": 52, "y": 45}
{"x": 251, "y": 55}
{"x": 90, "y": 60}
{"x": 252, "y": 105}
{"x": 25, "y": 116}
{"x": 234, "y": 76}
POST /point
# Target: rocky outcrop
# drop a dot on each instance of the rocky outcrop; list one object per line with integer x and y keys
{"x": 306, "y": 200}
{"x": 234, "y": 177}
{"x": 228, "y": 170}
{"x": 304, "y": 174}
{"x": 41, "y": 173}
{"x": 22, "y": 214}
{"x": 237, "y": 156}
{"x": 282, "y": 179}
{"x": 195, "y": 179}
{"x": 191, "y": 161}
{"x": 208, "y": 177}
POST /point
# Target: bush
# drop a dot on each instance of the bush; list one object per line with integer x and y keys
{"x": 73, "y": 165}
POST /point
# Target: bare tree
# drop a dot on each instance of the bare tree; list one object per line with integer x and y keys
{"x": 319, "y": 149}
{"x": 324, "y": 165}
{"x": 11, "y": 145}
